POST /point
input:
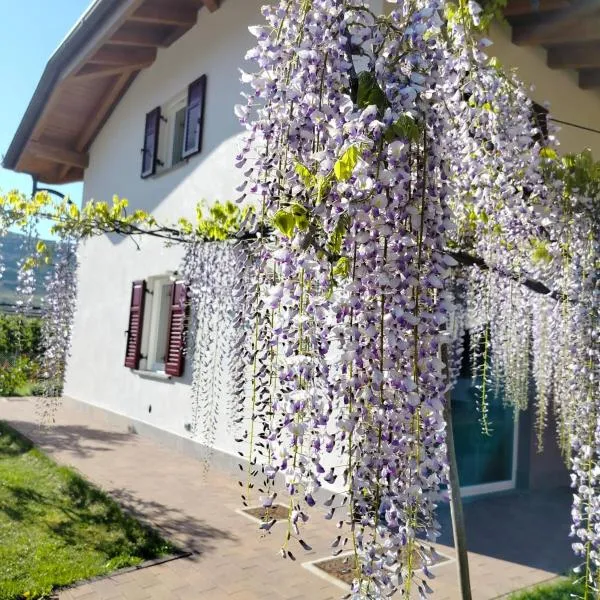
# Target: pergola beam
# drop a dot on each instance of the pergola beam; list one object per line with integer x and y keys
{"x": 545, "y": 26}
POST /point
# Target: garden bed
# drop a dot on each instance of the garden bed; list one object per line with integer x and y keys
{"x": 57, "y": 529}
{"x": 277, "y": 512}
{"x": 342, "y": 567}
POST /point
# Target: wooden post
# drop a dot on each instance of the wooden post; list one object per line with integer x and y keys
{"x": 456, "y": 508}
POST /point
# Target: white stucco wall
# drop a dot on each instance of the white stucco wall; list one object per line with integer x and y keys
{"x": 215, "y": 47}
{"x": 95, "y": 374}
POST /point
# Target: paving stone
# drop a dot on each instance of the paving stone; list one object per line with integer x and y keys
{"x": 231, "y": 561}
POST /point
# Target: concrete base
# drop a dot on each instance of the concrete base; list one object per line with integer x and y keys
{"x": 188, "y": 446}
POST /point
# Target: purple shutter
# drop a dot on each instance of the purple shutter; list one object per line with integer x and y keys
{"x": 194, "y": 117}
{"x": 175, "y": 358}
{"x": 136, "y": 322}
{"x": 150, "y": 149}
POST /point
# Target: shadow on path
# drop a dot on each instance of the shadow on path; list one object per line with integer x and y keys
{"x": 184, "y": 530}
{"x": 79, "y": 440}
{"x": 524, "y": 527}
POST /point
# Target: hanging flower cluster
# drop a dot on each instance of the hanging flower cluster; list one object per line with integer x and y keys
{"x": 519, "y": 329}
{"x": 57, "y": 324}
{"x": 361, "y": 128}
{"x": 219, "y": 277}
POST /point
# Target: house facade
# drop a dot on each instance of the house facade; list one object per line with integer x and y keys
{"x": 138, "y": 102}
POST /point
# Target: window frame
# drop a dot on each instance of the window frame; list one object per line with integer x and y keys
{"x": 150, "y": 341}
{"x": 165, "y": 136}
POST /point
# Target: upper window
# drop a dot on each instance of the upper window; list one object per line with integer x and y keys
{"x": 157, "y": 326}
{"x": 173, "y": 131}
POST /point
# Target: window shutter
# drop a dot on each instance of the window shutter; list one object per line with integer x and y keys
{"x": 150, "y": 149}
{"x": 175, "y": 360}
{"x": 194, "y": 117}
{"x": 136, "y": 322}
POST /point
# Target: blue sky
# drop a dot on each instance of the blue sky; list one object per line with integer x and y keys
{"x": 30, "y": 32}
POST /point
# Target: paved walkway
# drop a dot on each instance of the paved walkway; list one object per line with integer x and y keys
{"x": 199, "y": 512}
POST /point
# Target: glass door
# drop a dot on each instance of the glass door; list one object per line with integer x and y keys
{"x": 486, "y": 463}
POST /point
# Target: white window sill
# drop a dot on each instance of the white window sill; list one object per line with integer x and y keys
{"x": 159, "y": 376}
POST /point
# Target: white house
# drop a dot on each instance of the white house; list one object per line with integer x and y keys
{"x": 138, "y": 101}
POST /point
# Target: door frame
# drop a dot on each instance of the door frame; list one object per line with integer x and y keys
{"x": 498, "y": 486}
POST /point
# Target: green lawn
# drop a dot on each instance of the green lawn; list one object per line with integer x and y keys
{"x": 55, "y": 528}
{"x": 564, "y": 590}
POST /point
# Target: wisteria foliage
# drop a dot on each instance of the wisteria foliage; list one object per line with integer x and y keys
{"x": 378, "y": 147}
{"x": 374, "y": 145}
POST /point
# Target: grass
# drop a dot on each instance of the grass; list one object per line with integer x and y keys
{"x": 56, "y": 529}
{"x": 564, "y": 590}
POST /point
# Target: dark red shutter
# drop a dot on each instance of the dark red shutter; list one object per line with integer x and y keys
{"x": 136, "y": 322}
{"x": 194, "y": 117}
{"x": 150, "y": 150}
{"x": 175, "y": 359}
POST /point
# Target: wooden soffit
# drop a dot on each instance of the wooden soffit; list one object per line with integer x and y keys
{"x": 69, "y": 109}
{"x": 568, "y": 29}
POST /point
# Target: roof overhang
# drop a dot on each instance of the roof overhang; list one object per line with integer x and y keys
{"x": 568, "y": 29}
{"x": 86, "y": 77}
{"x": 116, "y": 39}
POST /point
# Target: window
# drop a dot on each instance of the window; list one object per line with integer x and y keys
{"x": 173, "y": 131}
{"x": 157, "y": 324}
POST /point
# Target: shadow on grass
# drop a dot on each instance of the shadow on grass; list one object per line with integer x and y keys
{"x": 83, "y": 506}
{"x": 78, "y": 440}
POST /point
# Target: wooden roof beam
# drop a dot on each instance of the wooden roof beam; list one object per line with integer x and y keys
{"x": 589, "y": 79}
{"x": 178, "y": 15}
{"x": 526, "y": 7}
{"x": 93, "y": 71}
{"x": 142, "y": 36}
{"x": 544, "y": 27}
{"x": 586, "y": 30}
{"x": 575, "y": 56}
{"x": 104, "y": 108}
{"x": 211, "y": 5}
{"x": 123, "y": 56}
{"x": 58, "y": 154}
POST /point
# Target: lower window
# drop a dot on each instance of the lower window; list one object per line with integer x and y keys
{"x": 157, "y": 325}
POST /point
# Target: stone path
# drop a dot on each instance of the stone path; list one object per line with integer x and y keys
{"x": 199, "y": 512}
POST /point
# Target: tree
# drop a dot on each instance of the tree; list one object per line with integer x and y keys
{"x": 395, "y": 206}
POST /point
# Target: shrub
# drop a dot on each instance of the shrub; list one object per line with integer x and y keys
{"x": 16, "y": 373}
{"x": 20, "y": 335}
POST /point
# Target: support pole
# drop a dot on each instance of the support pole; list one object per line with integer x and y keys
{"x": 456, "y": 507}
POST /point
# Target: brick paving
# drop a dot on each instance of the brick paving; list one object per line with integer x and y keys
{"x": 200, "y": 512}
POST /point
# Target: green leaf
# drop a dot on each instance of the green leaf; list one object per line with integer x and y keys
{"x": 285, "y": 221}
{"x": 548, "y": 153}
{"x": 337, "y": 236}
{"x": 342, "y": 267}
{"x": 405, "y": 128}
{"x": 370, "y": 92}
{"x": 307, "y": 177}
{"x": 344, "y": 167}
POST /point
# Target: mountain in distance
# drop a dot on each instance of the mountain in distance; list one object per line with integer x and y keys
{"x": 11, "y": 252}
